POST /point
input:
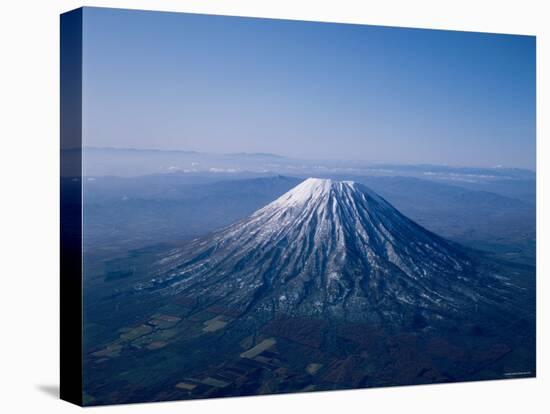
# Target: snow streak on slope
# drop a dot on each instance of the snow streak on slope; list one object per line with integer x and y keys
{"x": 326, "y": 249}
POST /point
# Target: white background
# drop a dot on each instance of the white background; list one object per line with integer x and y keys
{"x": 29, "y": 85}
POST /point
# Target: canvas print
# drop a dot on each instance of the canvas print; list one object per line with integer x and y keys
{"x": 276, "y": 206}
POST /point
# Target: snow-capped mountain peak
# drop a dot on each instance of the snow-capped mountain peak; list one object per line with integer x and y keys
{"x": 312, "y": 188}
{"x": 328, "y": 249}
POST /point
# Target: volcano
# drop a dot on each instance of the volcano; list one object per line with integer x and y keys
{"x": 326, "y": 287}
{"x": 332, "y": 250}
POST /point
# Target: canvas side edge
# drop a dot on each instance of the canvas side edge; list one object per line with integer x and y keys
{"x": 71, "y": 207}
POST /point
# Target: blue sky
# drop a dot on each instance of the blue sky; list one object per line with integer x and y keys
{"x": 308, "y": 90}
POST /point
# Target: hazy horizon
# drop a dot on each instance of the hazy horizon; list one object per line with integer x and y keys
{"x": 356, "y": 160}
{"x": 307, "y": 90}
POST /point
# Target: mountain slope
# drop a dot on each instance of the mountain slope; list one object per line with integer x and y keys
{"x": 333, "y": 250}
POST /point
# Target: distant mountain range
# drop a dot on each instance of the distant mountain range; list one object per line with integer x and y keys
{"x": 135, "y": 162}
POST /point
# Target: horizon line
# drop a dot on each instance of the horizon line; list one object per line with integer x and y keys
{"x": 272, "y": 154}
